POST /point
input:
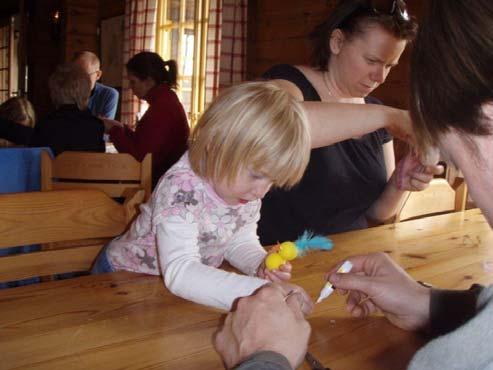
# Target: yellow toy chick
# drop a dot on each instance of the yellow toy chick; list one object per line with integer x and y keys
{"x": 288, "y": 251}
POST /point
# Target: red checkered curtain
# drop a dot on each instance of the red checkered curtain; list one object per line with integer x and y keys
{"x": 213, "y": 50}
{"x": 139, "y": 35}
{"x": 233, "y": 42}
{"x": 226, "y": 45}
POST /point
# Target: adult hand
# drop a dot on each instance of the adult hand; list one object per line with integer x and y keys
{"x": 412, "y": 175}
{"x": 376, "y": 282}
{"x": 109, "y": 123}
{"x": 276, "y": 276}
{"x": 401, "y": 126}
{"x": 270, "y": 320}
{"x": 303, "y": 298}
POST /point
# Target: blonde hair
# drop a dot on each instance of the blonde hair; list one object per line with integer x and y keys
{"x": 253, "y": 125}
{"x": 70, "y": 84}
{"x": 19, "y": 110}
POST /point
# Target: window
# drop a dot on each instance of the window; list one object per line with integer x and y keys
{"x": 181, "y": 31}
{"x": 9, "y": 61}
{"x": 6, "y": 43}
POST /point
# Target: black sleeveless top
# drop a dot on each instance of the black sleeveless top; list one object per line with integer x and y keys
{"x": 340, "y": 183}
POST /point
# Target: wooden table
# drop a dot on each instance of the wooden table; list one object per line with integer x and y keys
{"x": 130, "y": 321}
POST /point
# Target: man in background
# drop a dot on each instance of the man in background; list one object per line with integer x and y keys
{"x": 104, "y": 99}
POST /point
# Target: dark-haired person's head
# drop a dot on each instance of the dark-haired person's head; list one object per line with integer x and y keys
{"x": 354, "y": 18}
{"x": 452, "y": 70}
{"x": 147, "y": 69}
{"x": 452, "y": 90}
{"x": 360, "y": 42}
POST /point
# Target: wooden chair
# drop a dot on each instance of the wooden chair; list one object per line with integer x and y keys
{"x": 439, "y": 197}
{"x": 58, "y": 216}
{"x": 118, "y": 175}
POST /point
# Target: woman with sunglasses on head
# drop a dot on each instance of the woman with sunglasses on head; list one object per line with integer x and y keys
{"x": 452, "y": 107}
{"x": 353, "y": 181}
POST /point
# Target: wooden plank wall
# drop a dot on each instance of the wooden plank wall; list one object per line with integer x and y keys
{"x": 44, "y": 51}
{"x": 277, "y": 31}
{"x": 81, "y": 27}
{"x": 111, "y": 8}
{"x": 79, "y": 30}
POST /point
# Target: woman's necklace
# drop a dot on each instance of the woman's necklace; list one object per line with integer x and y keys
{"x": 338, "y": 98}
{"x": 326, "y": 82}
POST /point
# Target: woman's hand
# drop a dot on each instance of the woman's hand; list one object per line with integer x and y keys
{"x": 412, "y": 175}
{"x": 376, "y": 282}
{"x": 399, "y": 125}
{"x": 276, "y": 276}
{"x": 110, "y": 123}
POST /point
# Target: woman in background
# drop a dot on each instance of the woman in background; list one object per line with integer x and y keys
{"x": 163, "y": 130}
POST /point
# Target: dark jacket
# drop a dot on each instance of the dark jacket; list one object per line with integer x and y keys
{"x": 15, "y": 132}
{"x": 70, "y": 129}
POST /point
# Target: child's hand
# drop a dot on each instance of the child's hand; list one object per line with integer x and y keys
{"x": 276, "y": 276}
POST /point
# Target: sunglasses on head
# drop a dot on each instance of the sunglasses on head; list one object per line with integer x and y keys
{"x": 396, "y": 8}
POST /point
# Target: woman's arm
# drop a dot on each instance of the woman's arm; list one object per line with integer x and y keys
{"x": 411, "y": 175}
{"x": 162, "y": 128}
{"x": 390, "y": 201}
{"x": 334, "y": 122}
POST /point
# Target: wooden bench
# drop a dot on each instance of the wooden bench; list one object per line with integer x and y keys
{"x": 73, "y": 217}
{"x": 117, "y": 174}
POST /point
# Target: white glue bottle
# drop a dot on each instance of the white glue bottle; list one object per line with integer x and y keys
{"x": 328, "y": 288}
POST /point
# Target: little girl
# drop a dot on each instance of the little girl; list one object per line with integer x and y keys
{"x": 205, "y": 208}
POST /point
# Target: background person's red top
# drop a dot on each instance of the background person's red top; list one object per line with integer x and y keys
{"x": 163, "y": 131}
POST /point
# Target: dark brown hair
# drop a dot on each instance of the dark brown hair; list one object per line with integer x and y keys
{"x": 148, "y": 64}
{"x": 353, "y": 17}
{"x": 452, "y": 69}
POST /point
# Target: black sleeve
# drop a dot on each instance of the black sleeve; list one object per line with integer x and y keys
{"x": 292, "y": 74}
{"x": 450, "y": 309}
{"x": 283, "y": 72}
{"x": 15, "y": 132}
{"x": 384, "y": 135}
{"x": 265, "y": 360}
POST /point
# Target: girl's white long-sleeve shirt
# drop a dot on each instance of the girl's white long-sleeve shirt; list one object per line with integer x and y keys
{"x": 185, "y": 232}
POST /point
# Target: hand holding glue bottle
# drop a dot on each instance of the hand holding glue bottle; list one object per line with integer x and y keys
{"x": 328, "y": 287}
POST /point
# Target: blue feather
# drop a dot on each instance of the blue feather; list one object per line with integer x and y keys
{"x": 308, "y": 241}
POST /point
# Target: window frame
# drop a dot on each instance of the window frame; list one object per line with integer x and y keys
{"x": 164, "y": 48}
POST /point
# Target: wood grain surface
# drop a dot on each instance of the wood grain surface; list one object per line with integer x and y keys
{"x": 130, "y": 321}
